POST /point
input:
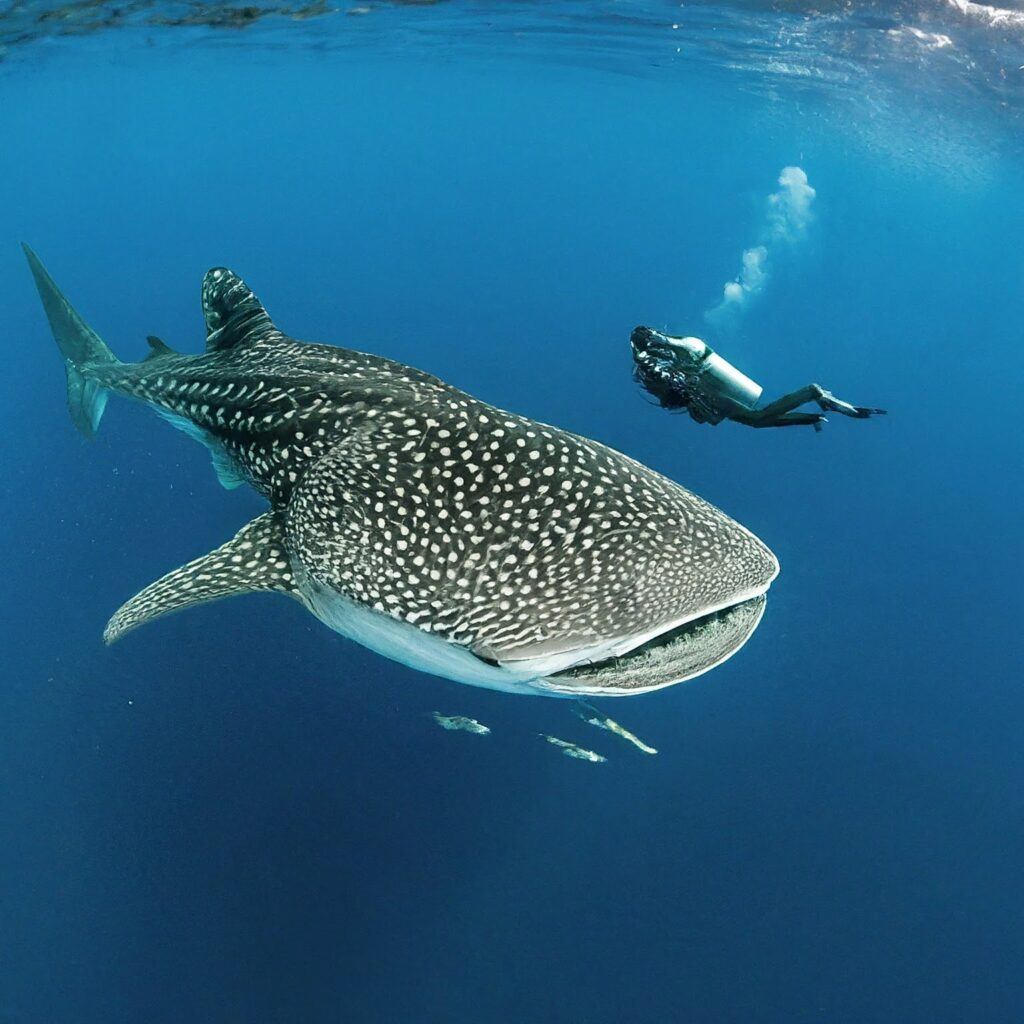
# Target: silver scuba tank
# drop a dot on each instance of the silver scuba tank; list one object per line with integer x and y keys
{"x": 718, "y": 377}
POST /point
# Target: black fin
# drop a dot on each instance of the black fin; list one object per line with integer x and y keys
{"x": 233, "y": 313}
{"x": 79, "y": 344}
{"x": 158, "y": 348}
{"x": 255, "y": 559}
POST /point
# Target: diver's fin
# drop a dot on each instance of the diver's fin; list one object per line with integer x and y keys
{"x": 79, "y": 344}
{"x": 158, "y": 348}
{"x": 830, "y": 403}
{"x": 254, "y": 559}
{"x": 233, "y": 313}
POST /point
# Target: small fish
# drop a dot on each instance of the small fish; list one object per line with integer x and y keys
{"x": 592, "y": 716}
{"x": 571, "y": 750}
{"x": 460, "y": 723}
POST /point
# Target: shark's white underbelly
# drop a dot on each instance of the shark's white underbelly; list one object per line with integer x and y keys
{"x": 409, "y": 645}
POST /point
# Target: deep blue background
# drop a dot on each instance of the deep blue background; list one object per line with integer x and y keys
{"x": 235, "y": 815}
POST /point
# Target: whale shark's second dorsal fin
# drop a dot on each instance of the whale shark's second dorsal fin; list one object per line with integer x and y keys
{"x": 158, "y": 348}
{"x": 254, "y": 559}
{"x": 233, "y": 313}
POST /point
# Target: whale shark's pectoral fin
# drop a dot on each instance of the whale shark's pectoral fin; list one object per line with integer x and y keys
{"x": 254, "y": 559}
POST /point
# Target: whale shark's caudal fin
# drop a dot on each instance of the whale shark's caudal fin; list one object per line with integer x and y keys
{"x": 253, "y": 560}
{"x": 79, "y": 344}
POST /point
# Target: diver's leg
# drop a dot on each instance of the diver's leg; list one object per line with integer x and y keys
{"x": 775, "y": 413}
{"x": 780, "y": 412}
{"x": 757, "y": 418}
{"x": 787, "y": 403}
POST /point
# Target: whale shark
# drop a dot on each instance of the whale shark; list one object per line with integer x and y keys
{"x": 433, "y": 528}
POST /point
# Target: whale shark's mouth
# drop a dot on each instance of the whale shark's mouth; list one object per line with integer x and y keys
{"x": 671, "y": 657}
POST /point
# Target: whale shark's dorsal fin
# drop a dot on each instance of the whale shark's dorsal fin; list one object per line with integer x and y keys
{"x": 158, "y": 348}
{"x": 254, "y": 559}
{"x": 233, "y": 313}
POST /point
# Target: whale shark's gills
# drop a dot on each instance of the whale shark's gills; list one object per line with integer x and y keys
{"x": 434, "y": 528}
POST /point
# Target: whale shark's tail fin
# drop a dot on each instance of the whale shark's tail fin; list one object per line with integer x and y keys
{"x": 79, "y": 344}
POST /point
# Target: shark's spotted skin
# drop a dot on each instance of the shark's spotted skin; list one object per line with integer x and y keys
{"x": 254, "y": 559}
{"x": 516, "y": 547}
{"x": 512, "y": 538}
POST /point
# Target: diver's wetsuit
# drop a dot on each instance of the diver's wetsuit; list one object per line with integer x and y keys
{"x": 686, "y": 373}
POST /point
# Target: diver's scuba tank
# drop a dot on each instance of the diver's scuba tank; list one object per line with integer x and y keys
{"x": 721, "y": 384}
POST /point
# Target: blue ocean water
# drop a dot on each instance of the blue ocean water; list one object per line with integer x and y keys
{"x": 235, "y": 815}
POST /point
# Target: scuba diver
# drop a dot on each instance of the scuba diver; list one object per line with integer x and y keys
{"x": 685, "y": 373}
